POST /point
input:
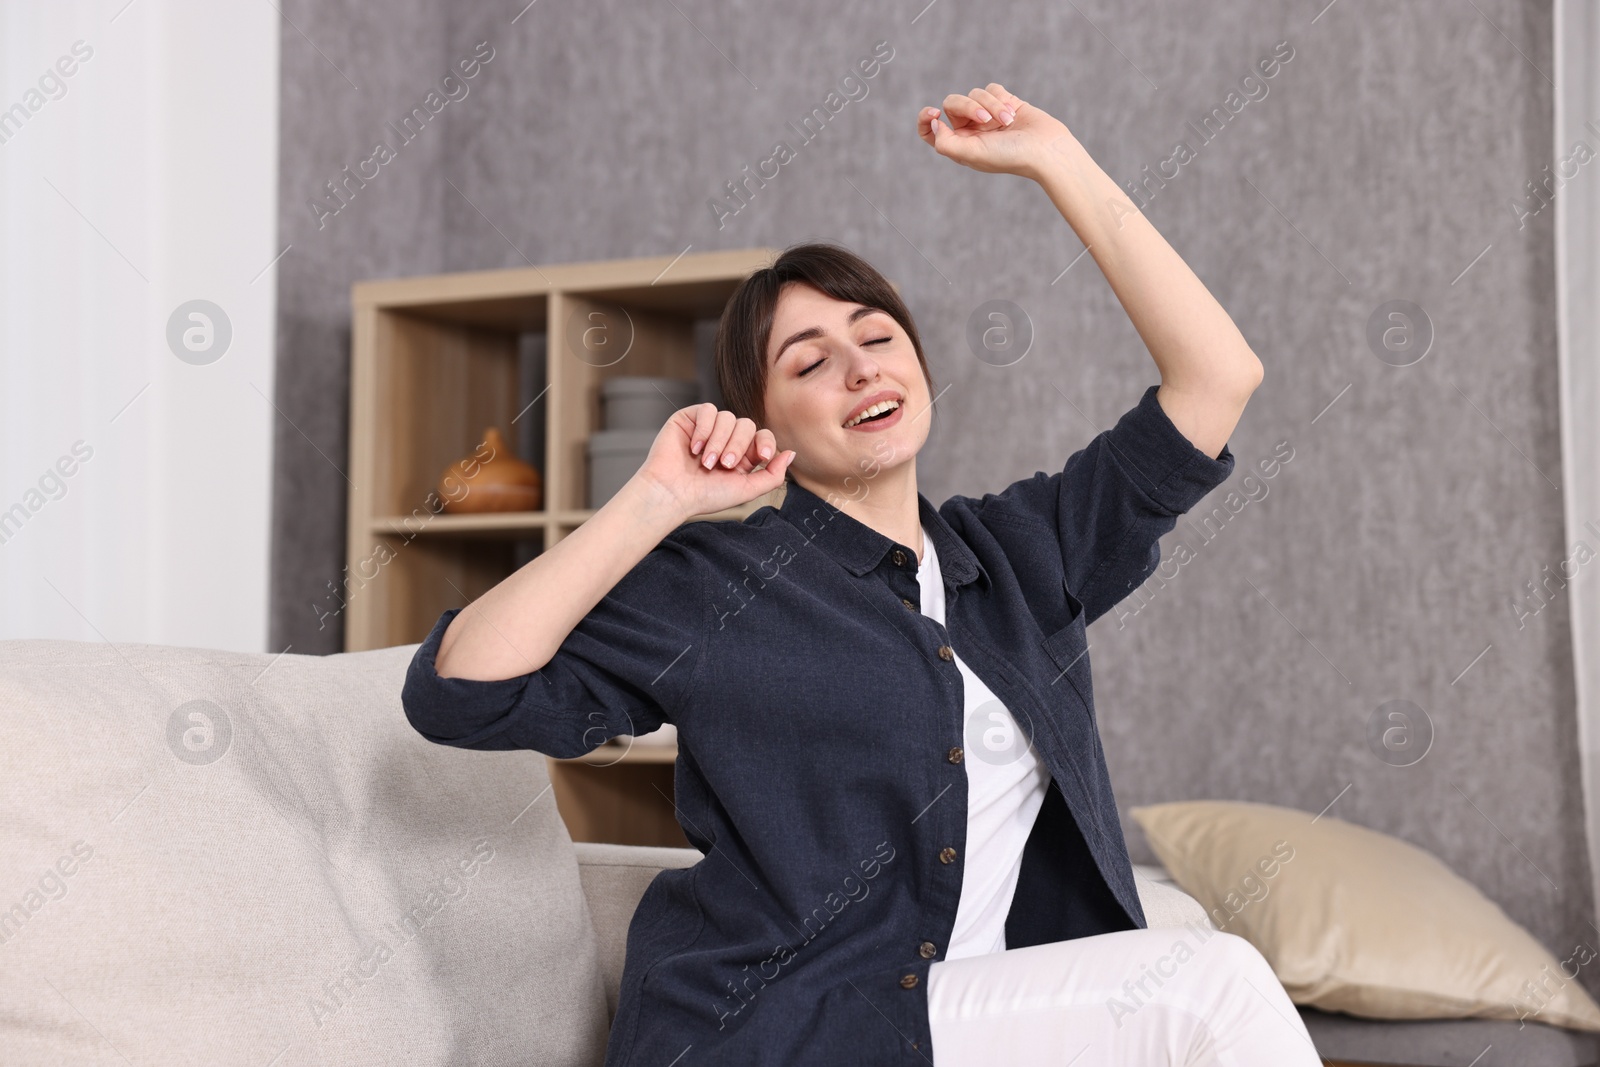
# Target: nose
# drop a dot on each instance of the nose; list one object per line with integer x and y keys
{"x": 865, "y": 367}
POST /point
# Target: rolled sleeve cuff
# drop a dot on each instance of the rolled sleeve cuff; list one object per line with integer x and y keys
{"x": 454, "y": 711}
{"x": 1165, "y": 464}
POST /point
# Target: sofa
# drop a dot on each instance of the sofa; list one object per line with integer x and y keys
{"x": 215, "y": 857}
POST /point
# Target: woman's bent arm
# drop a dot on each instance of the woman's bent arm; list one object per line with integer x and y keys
{"x": 517, "y": 627}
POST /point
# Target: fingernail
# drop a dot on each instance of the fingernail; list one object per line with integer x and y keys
{"x": 1008, "y": 116}
{"x": 766, "y": 453}
{"x": 710, "y": 460}
{"x": 984, "y": 115}
{"x": 695, "y": 450}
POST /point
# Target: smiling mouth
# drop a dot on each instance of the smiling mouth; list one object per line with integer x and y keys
{"x": 884, "y": 411}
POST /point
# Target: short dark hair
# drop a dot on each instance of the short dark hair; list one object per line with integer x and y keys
{"x": 746, "y": 326}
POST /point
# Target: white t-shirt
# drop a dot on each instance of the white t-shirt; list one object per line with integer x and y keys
{"x": 1005, "y": 789}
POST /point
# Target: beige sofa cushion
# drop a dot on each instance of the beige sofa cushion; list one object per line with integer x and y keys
{"x": 214, "y": 858}
{"x": 1165, "y": 904}
{"x": 1356, "y": 921}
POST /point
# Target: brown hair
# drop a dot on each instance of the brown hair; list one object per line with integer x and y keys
{"x": 746, "y": 326}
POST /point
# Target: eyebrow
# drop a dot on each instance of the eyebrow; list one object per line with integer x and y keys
{"x": 816, "y": 331}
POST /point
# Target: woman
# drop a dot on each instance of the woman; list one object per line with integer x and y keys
{"x": 887, "y": 750}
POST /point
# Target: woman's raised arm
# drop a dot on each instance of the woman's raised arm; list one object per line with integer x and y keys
{"x": 1207, "y": 369}
{"x": 517, "y": 627}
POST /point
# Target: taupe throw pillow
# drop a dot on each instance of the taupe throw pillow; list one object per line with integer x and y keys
{"x": 1357, "y": 921}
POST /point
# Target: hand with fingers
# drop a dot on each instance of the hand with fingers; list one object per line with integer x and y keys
{"x": 708, "y": 459}
{"x": 992, "y": 130}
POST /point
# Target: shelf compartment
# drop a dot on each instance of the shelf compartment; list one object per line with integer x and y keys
{"x": 437, "y": 359}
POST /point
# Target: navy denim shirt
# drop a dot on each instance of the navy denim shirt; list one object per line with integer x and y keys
{"x": 821, "y": 744}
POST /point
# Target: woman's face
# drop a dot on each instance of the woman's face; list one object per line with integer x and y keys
{"x": 829, "y": 359}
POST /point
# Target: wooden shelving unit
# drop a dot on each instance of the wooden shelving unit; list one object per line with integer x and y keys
{"x": 437, "y": 359}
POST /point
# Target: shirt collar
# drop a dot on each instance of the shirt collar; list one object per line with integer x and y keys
{"x": 859, "y": 548}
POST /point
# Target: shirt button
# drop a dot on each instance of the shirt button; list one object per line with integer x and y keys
{"x": 928, "y": 950}
{"x": 946, "y": 652}
{"x": 947, "y": 854}
{"x": 955, "y": 755}
{"x": 899, "y": 558}
{"x": 909, "y": 981}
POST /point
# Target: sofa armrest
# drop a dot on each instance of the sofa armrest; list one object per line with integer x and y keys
{"x": 1163, "y": 902}
{"x": 614, "y": 878}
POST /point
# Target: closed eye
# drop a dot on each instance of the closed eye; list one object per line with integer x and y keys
{"x": 820, "y": 362}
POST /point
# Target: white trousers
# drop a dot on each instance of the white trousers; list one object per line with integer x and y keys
{"x": 1167, "y": 997}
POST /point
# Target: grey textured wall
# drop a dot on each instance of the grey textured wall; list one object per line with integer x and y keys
{"x": 1382, "y": 163}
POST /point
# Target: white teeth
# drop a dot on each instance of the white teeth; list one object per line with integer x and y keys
{"x": 881, "y": 406}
